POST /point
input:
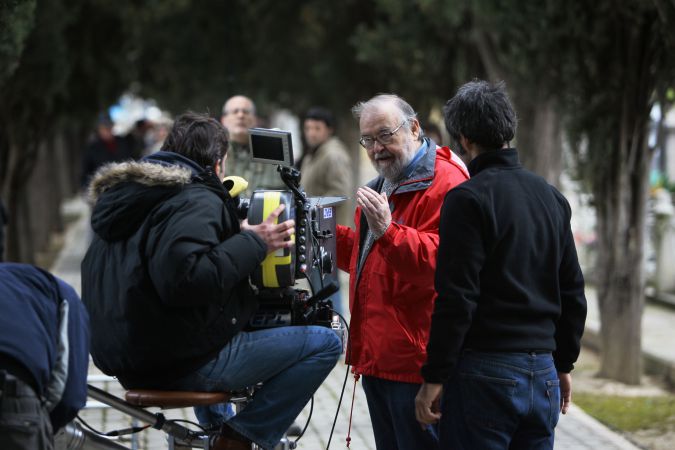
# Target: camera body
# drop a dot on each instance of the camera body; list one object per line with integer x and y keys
{"x": 314, "y": 255}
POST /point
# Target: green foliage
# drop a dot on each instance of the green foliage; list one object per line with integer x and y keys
{"x": 670, "y": 94}
{"x": 102, "y": 42}
{"x": 290, "y": 54}
{"x": 629, "y": 413}
{"x": 30, "y": 93}
{"x": 17, "y": 18}
{"x": 607, "y": 60}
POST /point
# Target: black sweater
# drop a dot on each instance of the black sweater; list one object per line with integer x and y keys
{"x": 507, "y": 276}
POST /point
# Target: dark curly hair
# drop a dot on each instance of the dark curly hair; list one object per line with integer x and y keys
{"x": 482, "y": 113}
{"x": 199, "y": 137}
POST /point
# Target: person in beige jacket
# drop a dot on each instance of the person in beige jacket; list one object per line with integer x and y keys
{"x": 327, "y": 171}
{"x": 326, "y": 167}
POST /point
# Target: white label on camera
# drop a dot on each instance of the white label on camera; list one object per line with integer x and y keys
{"x": 327, "y": 213}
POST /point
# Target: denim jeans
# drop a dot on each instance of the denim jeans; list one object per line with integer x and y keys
{"x": 291, "y": 362}
{"x": 499, "y": 400}
{"x": 392, "y": 413}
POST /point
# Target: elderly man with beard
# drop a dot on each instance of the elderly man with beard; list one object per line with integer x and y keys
{"x": 391, "y": 258}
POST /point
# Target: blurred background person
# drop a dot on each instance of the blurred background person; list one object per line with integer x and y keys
{"x": 433, "y": 132}
{"x": 105, "y": 147}
{"x": 238, "y": 116}
{"x": 327, "y": 171}
{"x": 326, "y": 165}
{"x": 157, "y": 134}
{"x": 136, "y": 137}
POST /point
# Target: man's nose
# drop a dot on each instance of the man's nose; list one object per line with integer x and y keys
{"x": 377, "y": 146}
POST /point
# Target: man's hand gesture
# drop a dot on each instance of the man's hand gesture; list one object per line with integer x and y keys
{"x": 376, "y": 208}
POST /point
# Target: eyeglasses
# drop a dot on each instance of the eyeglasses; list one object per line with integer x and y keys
{"x": 384, "y": 138}
{"x": 235, "y": 111}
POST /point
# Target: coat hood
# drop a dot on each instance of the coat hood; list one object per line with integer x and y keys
{"x": 124, "y": 194}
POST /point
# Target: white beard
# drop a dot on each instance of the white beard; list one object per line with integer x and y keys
{"x": 394, "y": 170}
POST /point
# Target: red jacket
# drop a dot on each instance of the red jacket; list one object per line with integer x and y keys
{"x": 391, "y": 299}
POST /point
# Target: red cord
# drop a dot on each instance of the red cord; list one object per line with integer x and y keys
{"x": 351, "y": 411}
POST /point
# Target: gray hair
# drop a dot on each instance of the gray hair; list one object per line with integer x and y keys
{"x": 253, "y": 109}
{"x": 382, "y": 101}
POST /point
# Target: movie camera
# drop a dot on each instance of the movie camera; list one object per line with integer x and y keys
{"x": 314, "y": 253}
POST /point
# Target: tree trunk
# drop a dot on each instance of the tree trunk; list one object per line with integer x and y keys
{"x": 621, "y": 198}
{"x": 20, "y": 164}
{"x": 620, "y": 187}
{"x": 539, "y": 137}
{"x": 620, "y": 286}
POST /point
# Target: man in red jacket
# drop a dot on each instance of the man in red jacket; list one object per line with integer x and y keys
{"x": 391, "y": 259}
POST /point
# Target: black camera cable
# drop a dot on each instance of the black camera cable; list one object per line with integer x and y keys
{"x": 114, "y": 433}
{"x": 344, "y": 385}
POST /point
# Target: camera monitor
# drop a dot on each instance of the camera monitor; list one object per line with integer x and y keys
{"x": 271, "y": 146}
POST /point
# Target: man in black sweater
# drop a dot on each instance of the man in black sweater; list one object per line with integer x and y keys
{"x": 510, "y": 311}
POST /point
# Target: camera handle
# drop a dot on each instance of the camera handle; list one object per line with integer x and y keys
{"x": 291, "y": 178}
{"x": 325, "y": 292}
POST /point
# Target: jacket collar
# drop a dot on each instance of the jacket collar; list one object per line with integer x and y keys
{"x": 502, "y": 158}
{"x": 421, "y": 174}
{"x": 169, "y": 159}
{"x": 199, "y": 174}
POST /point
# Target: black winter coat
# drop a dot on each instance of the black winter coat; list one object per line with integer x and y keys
{"x": 165, "y": 279}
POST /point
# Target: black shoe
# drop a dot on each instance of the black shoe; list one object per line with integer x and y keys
{"x": 229, "y": 439}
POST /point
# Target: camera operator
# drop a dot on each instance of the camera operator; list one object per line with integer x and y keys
{"x": 166, "y": 284}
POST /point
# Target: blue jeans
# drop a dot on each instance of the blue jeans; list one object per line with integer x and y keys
{"x": 392, "y": 412}
{"x": 291, "y": 362}
{"x": 500, "y": 400}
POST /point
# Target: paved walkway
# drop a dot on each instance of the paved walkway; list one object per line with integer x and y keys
{"x": 576, "y": 430}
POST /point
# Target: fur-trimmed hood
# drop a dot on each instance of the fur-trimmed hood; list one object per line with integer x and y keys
{"x": 124, "y": 194}
{"x": 142, "y": 172}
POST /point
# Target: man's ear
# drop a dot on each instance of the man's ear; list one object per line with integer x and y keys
{"x": 219, "y": 168}
{"x": 415, "y": 128}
